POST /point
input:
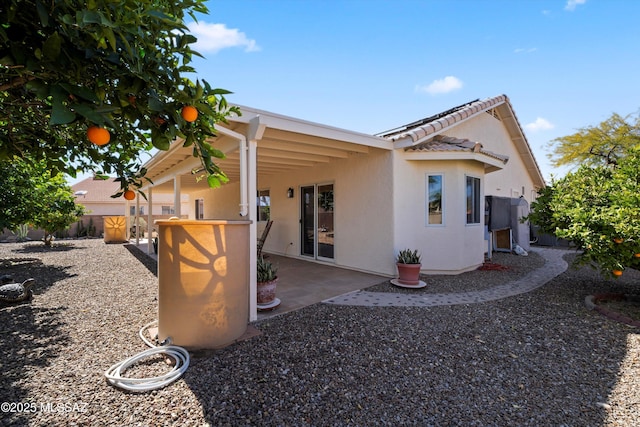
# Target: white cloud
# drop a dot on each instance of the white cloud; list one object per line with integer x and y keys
{"x": 538, "y": 125}
{"x": 571, "y": 4}
{"x": 215, "y": 37}
{"x": 521, "y": 50}
{"x": 448, "y": 84}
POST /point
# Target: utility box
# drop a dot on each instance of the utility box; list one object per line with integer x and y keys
{"x": 115, "y": 229}
{"x": 203, "y": 282}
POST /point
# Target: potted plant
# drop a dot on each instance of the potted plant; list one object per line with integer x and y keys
{"x": 409, "y": 264}
{"x": 267, "y": 281}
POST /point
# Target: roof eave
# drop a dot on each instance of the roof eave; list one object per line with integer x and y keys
{"x": 491, "y": 163}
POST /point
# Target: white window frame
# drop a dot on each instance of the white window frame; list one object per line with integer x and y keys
{"x": 474, "y": 199}
{"x": 199, "y": 209}
{"x": 442, "y": 199}
{"x": 258, "y": 204}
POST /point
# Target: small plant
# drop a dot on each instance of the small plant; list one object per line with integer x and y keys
{"x": 21, "y": 232}
{"x": 407, "y": 256}
{"x": 266, "y": 271}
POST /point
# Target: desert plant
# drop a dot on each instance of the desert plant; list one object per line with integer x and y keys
{"x": 266, "y": 271}
{"x": 407, "y": 256}
{"x": 21, "y": 232}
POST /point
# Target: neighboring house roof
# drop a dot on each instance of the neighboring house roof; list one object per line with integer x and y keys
{"x": 92, "y": 190}
{"x": 442, "y": 143}
{"x": 97, "y": 190}
{"x": 420, "y": 131}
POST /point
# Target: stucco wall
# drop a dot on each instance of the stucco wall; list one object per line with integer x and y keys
{"x": 219, "y": 203}
{"x": 448, "y": 248}
{"x": 363, "y": 210}
{"x": 491, "y": 133}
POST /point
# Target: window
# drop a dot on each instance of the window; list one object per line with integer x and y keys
{"x": 434, "y": 200}
{"x": 199, "y": 208}
{"x": 473, "y": 200}
{"x": 168, "y": 210}
{"x": 264, "y": 205}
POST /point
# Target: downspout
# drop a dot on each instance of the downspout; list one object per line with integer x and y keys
{"x": 242, "y": 147}
{"x": 248, "y": 179}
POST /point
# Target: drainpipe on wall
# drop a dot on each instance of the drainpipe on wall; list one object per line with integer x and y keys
{"x": 248, "y": 178}
{"x": 242, "y": 148}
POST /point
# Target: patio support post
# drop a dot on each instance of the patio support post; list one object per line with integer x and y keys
{"x": 177, "y": 197}
{"x": 150, "y": 220}
{"x": 248, "y": 165}
{"x": 137, "y": 220}
{"x": 256, "y": 130}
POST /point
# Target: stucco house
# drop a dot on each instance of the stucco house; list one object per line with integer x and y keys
{"x": 354, "y": 200}
{"x": 95, "y": 196}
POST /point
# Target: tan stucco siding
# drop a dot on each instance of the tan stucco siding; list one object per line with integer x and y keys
{"x": 219, "y": 203}
{"x": 491, "y": 133}
{"x": 363, "y": 210}
{"x": 454, "y": 246}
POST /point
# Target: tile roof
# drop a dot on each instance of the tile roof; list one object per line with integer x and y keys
{"x": 443, "y": 143}
{"x": 423, "y": 130}
{"x": 97, "y": 190}
{"x": 430, "y": 125}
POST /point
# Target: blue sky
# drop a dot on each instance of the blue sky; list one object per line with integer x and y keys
{"x": 372, "y": 65}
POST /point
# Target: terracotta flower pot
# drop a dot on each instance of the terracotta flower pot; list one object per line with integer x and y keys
{"x": 267, "y": 291}
{"x": 409, "y": 274}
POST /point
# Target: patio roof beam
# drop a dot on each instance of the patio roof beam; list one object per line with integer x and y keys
{"x": 280, "y": 135}
{"x": 267, "y": 152}
{"x": 297, "y": 148}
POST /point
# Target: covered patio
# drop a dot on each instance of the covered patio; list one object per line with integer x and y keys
{"x": 261, "y": 148}
{"x": 302, "y": 283}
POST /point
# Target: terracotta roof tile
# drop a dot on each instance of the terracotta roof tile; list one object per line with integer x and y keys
{"x": 425, "y": 127}
{"x": 443, "y": 143}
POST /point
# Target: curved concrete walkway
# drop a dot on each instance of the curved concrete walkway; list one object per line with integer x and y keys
{"x": 553, "y": 266}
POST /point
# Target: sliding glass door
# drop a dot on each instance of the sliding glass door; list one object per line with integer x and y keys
{"x": 317, "y": 221}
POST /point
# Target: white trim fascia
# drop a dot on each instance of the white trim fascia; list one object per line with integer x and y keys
{"x": 185, "y": 168}
{"x": 291, "y": 124}
{"x": 435, "y": 155}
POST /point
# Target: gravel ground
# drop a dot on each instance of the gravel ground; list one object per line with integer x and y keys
{"x": 540, "y": 358}
{"x": 509, "y": 268}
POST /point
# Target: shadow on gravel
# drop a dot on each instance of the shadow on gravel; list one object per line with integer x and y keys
{"x": 539, "y": 358}
{"x": 41, "y": 248}
{"x": 149, "y": 263}
{"x": 29, "y": 336}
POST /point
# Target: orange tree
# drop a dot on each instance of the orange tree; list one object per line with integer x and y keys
{"x": 32, "y": 195}
{"x": 598, "y": 209}
{"x": 68, "y": 65}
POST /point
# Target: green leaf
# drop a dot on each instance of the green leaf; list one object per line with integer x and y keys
{"x": 88, "y": 112}
{"x": 60, "y": 114}
{"x": 81, "y": 91}
{"x": 161, "y": 142}
{"x": 42, "y": 13}
{"x": 90, "y": 17}
{"x": 51, "y": 47}
{"x": 213, "y": 181}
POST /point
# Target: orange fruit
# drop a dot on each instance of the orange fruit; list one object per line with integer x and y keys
{"x": 98, "y": 135}
{"x": 617, "y": 272}
{"x": 637, "y": 255}
{"x": 129, "y": 195}
{"x": 189, "y": 113}
{"x": 618, "y": 240}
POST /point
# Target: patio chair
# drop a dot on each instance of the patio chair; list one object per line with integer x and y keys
{"x": 262, "y": 238}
